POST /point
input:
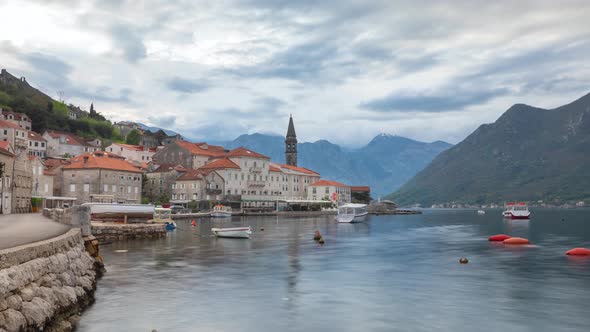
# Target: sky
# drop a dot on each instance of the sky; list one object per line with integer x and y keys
{"x": 345, "y": 70}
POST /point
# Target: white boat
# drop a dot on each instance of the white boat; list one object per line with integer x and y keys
{"x": 481, "y": 212}
{"x": 236, "y": 232}
{"x": 220, "y": 211}
{"x": 516, "y": 211}
{"x": 164, "y": 216}
{"x": 349, "y": 213}
{"x": 113, "y": 208}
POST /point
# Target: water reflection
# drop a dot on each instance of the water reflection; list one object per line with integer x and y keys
{"x": 372, "y": 276}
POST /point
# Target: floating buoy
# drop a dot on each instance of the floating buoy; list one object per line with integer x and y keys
{"x": 317, "y": 236}
{"x": 321, "y": 241}
{"x": 578, "y": 252}
{"x": 516, "y": 240}
{"x": 463, "y": 260}
{"x": 193, "y": 223}
{"x": 499, "y": 237}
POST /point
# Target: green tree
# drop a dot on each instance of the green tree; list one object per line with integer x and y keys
{"x": 133, "y": 137}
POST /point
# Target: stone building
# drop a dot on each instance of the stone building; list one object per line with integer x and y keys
{"x": 19, "y": 119}
{"x": 54, "y": 168}
{"x": 158, "y": 185}
{"x": 42, "y": 180}
{"x": 197, "y": 185}
{"x": 334, "y": 191}
{"x": 14, "y": 134}
{"x": 187, "y": 154}
{"x": 6, "y": 167}
{"x": 60, "y": 143}
{"x": 37, "y": 145}
{"x": 22, "y": 183}
{"x": 102, "y": 173}
{"x": 137, "y": 153}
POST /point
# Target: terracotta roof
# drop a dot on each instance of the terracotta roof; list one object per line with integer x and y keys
{"x": 101, "y": 160}
{"x": 33, "y": 136}
{"x": 70, "y": 138}
{"x": 5, "y": 148}
{"x": 8, "y": 124}
{"x": 202, "y": 149}
{"x": 272, "y": 168}
{"x": 17, "y": 116}
{"x": 191, "y": 175}
{"x": 327, "y": 183}
{"x": 361, "y": 188}
{"x": 222, "y": 163}
{"x": 135, "y": 147}
{"x": 243, "y": 152}
{"x": 168, "y": 167}
{"x": 298, "y": 169}
{"x": 53, "y": 164}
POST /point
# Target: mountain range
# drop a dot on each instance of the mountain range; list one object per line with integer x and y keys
{"x": 385, "y": 163}
{"x": 529, "y": 153}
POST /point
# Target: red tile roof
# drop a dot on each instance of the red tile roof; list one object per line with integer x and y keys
{"x": 33, "y": 136}
{"x": 191, "y": 175}
{"x": 327, "y": 183}
{"x": 101, "y": 160}
{"x": 168, "y": 167}
{"x": 361, "y": 188}
{"x": 222, "y": 163}
{"x": 243, "y": 152}
{"x": 8, "y": 124}
{"x": 272, "y": 168}
{"x": 17, "y": 116}
{"x": 70, "y": 138}
{"x": 5, "y": 148}
{"x": 202, "y": 149}
{"x": 298, "y": 169}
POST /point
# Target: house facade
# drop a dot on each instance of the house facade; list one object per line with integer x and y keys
{"x": 196, "y": 185}
{"x": 6, "y": 165}
{"x": 61, "y": 143}
{"x": 14, "y": 134}
{"x": 334, "y": 191}
{"x": 37, "y": 145}
{"x": 137, "y": 153}
{"x": 42, "y": 180}
{"x": 101, "y": 173}
{"x": 19, "y": 119}
{"x": 22, "y": 183}
{"x": 187, "y": 154}
{"x": 158, "y": 185}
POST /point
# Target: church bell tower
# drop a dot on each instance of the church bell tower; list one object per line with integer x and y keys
{"x": 291, "y": 144}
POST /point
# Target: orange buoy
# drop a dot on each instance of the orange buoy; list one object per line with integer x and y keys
{"x": 193, "y": 223}
{"x": 317, "y": 236}
{"x": 578, "y": 252}
{"x": 499, "y": 237}
{"x": 516, "y": 240}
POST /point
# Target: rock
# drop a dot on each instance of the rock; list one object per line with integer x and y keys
{"x": 14, "y": 320}
{"x": 14, "y": 302}
{"x": 3, "y": 304}
{"x": 37, "y": 312}
{"x": 27, "y": 294}
{"x": 47, "y": 294}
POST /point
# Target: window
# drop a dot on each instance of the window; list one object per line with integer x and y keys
{"x": 5, "y": 132}
{"x": 36, "y": 144}
{"x": 313, "y": 191}
{"x": 86, "y": 187}
{"x": 129, "y": 189}
{"x": 72, "y": 187}
{"x": 122, "y": 189}
{"x": 42, "y": 144}
{"x": 136, "y": 190}
{"x": 114, "y": 187}
{"x": 106, "y": 188}
{"x": 327, "y": 190}
{"x": 46, "y": 188}
{"x": 173, "y": 185}
{"x": 195, "y": 196}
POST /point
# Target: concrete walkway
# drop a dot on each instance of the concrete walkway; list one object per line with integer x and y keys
{"x": 19, "y": 229}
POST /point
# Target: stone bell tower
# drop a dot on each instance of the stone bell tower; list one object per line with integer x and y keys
{"x": 291, "y": 144}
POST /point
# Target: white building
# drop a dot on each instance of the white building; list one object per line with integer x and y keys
{"x": 37, "y": 145}
{"x": 329, "y": 190}
{"x": 14, "y": 134}
{"x": 137, "y": 153}
{"x": 60, "y": 143}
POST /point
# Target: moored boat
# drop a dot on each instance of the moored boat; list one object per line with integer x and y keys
{"x": 349, "y": 213}
{"x": 220, "y": 211}
{"x": 481, "y": 212}
{"x": 235, "y": 232}
{"x": 164, "y": 216}
{"x": 516, "y": 211}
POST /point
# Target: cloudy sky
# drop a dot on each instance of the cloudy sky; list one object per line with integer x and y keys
{"x": 346, "y": 70}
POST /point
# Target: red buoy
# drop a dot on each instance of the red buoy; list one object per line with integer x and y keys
{"x": 578, "y": 252}
{"x": 193, "y": 223}
{"x": 499, "y": 237}
{"x": 516, "y": 240}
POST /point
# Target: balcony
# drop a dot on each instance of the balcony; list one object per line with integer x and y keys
{"x": 256, "y": 170}
{"x": 256, "y": 183}
{"x": 213, "y": 191}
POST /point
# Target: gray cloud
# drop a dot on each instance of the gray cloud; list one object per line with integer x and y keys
{"x": 183, "y": 85}
{"x": 166, "y": 121}
{"x": 130, "y": 42}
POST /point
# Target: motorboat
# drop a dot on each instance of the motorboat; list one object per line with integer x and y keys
{"x": 164, "y": 216}
{"x": 349, "y": 213}
{"x": 235, "y": 232}
{"x": 220, "y": 211}
{"x": 481, "y": 212}
{"x": 516, "y": 211}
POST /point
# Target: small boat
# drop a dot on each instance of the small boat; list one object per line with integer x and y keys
{"x": 163, "y": 216}
{"x": 220, "y": 211}
{"x": 516, "y": 211}
{"x": 349, "y": 213}
{"x": 236, "y": 232}
{"x": 481, "y": 212}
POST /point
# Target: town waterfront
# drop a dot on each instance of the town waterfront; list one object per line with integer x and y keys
{"x": 391, "y": 273}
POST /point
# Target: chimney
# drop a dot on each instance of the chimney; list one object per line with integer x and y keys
{"x": 85, "y": 160}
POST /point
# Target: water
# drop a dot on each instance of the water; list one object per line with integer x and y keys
{"x": 393, "y": 273}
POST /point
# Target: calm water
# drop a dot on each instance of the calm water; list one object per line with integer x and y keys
{"x": 392, "y": 273}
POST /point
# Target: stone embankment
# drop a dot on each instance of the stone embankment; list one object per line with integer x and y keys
{"x": 106, "y": 232}
{"x": 45, "y": 285}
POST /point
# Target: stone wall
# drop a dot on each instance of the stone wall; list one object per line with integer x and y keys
{"x": 115, "y": 232}
{"x": 45, "y": 285}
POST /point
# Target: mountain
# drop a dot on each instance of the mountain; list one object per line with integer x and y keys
{"x": 529, "y": 154}
{"x": 156, "y": 129}
{"x": 384, "y": 164}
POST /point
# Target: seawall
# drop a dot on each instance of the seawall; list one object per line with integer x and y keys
{"x": 45, "y": 285}
{"x": 105, "y": 232}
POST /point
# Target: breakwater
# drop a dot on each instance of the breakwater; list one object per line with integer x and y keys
{"x": 106, "y": 232}
{"x": 45, "y": 285}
